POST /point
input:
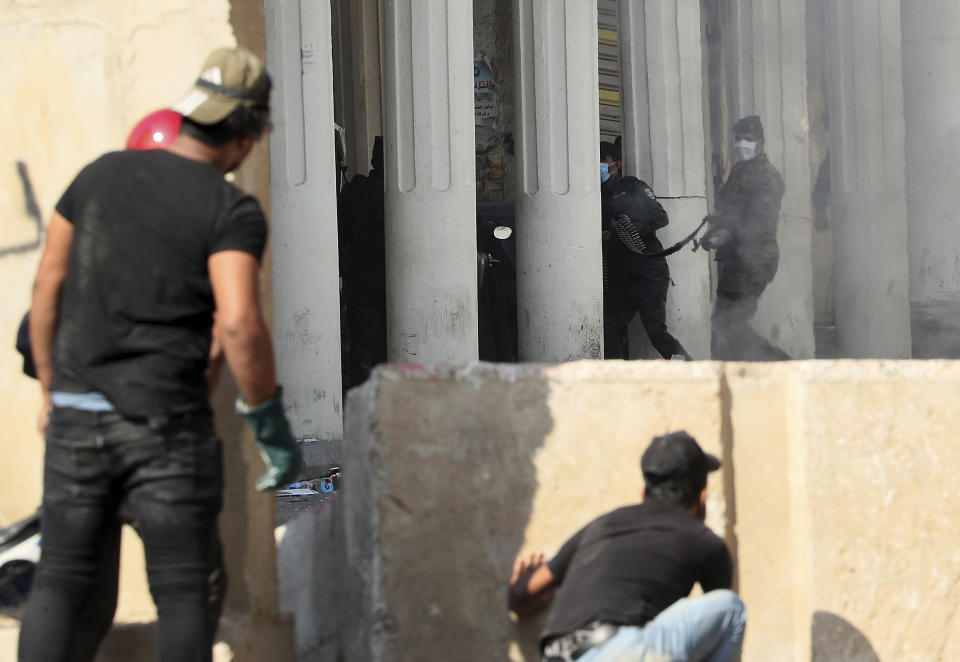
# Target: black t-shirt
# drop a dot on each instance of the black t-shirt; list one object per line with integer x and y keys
{"x": 136, "y": 308}
{"x": 630, "y": 564}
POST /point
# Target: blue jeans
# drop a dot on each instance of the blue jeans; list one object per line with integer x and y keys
{"x": 705, "y": 629}
{"x": 169, "y": 471}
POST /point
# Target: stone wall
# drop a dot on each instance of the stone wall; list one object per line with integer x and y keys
{"x": 85, "y": 74}
{"x": 838, "y": 499}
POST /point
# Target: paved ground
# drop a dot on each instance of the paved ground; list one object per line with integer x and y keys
{"x": 290, "y": 507}
{"x": 319, "y": 457}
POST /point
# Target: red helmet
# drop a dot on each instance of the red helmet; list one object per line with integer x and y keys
{"x": 155, "y": 131}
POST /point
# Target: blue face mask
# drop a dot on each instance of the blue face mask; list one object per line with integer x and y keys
{"x": 604, "y": 171}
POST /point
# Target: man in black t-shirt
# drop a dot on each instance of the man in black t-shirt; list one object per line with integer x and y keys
{"x": 619, "y": 586}
{"x": 143, "y": 247}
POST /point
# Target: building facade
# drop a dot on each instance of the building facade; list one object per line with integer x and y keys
{"x": 856, "y": 102}
{"x": 871, "y": 270}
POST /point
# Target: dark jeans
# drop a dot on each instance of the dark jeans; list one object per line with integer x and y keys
{"x": 97, "y": 616}
{"x": 169, "y": 472}
{"x": 649, "y": 299}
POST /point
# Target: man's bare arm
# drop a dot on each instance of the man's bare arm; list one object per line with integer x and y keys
{"x": 45, "y": 304}
{"x": 249, "y": 352}
{"x": 531, "y": 585}
{"x": 234, "y": 276}
{"x": 214, "y": 358}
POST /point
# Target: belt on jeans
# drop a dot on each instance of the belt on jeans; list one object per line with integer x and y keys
{"x": 573, "y": 645}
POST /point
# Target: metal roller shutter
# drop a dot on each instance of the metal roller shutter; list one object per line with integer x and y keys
{"x": 611, "y": 118}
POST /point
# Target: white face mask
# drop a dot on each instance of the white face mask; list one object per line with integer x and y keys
{"x": 745, "y": 149}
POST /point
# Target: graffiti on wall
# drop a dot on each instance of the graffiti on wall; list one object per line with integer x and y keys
{"x": 33, "y": 213}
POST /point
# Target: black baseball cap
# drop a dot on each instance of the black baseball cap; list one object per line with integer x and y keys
{"x": 676, "y": 459}
{"x": 748, "y": 126}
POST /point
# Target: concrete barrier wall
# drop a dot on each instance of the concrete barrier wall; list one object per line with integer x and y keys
{"x": 838, "y": 498}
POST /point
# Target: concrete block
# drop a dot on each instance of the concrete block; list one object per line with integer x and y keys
{"x": 769, "y": 538}
{"x": 310, "y": 567}
{"x": 881, "y": 471}
{"x": 455, "y": 471}
{"x": 837, "y": 498}
{"x": 845, "y": 478}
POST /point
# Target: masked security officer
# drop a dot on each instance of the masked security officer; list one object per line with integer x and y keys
{"x": 633, "y": 282}
{"x": 743, "y": 231}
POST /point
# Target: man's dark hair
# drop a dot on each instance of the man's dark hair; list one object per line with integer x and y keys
{"x": 244, "y": 121}
{"x": 675, "y": 468}
{"x": 610, "y": 149}
{"x": 683, "y": 495}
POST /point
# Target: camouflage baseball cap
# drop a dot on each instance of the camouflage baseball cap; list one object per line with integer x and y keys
{"x": 229, "y": 78}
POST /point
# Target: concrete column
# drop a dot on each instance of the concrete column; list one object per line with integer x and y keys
{"x": 768, "y": 48}
{"x": 663, "y": 144}
{"x": 306, "y": 297}
{"x": 365, "y": 41}
{"x": 931, "y": 81}
{"x": 868, "y": 169}
{"x": 559, "y": 255}
{"x": 430, "y": 179}
{"x": 356, "y": 46}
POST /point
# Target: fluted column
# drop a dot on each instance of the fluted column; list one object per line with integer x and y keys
{"x": 767, "y": 58}
{"x": 559, "y": 259}
{"x": 430, "y": 180}
{"x": 663, "y": 144}
{"x": 931, "y": 80}
{"x": 867, "y": 155}
{"x": 306, "y": 299}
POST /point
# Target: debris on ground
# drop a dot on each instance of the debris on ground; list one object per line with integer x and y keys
{"x": 307, "y": 493}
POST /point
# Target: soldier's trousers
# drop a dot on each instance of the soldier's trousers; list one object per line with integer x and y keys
{"x": 733, "y": 338}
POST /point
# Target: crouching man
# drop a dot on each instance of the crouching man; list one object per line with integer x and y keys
{"x": 619, "y": 586}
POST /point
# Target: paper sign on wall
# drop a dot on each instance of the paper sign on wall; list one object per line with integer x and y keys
{"x": 484, "y": 92}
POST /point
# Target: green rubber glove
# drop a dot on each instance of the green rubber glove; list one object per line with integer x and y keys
{"x": 278, "y": 448}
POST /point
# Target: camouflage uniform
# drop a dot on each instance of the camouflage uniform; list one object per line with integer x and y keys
{"x": 749, "y": 208}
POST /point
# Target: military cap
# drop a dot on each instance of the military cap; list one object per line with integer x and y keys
{"x": 748, "y": 126}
